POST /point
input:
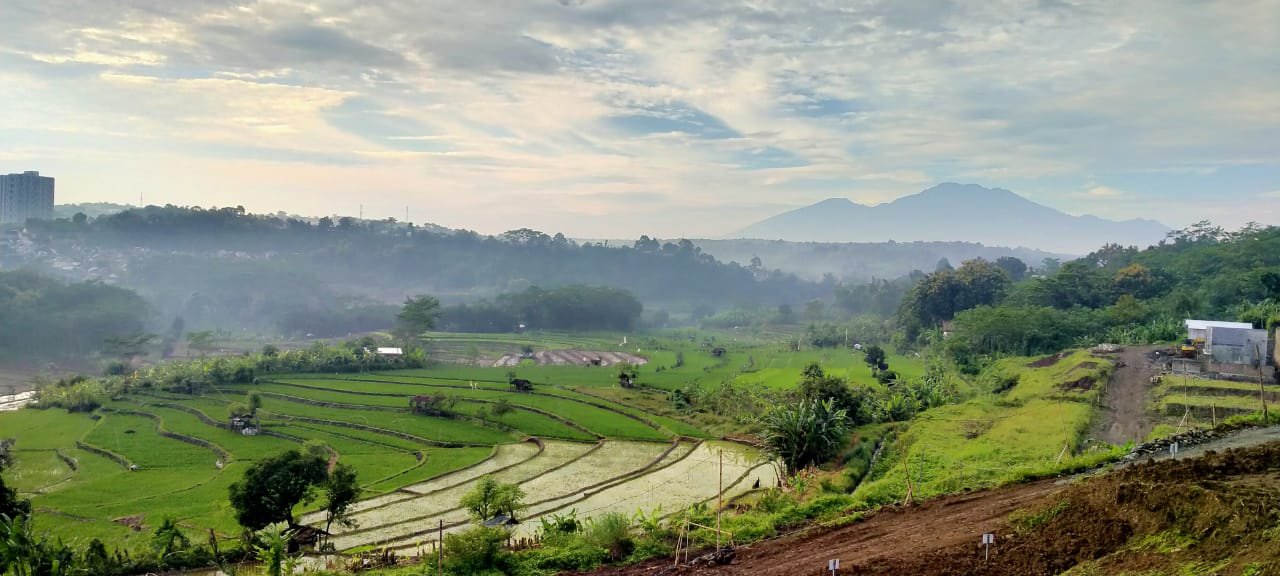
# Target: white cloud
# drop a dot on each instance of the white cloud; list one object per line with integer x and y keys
{"x": 488, "y": 111}
{"x": 1103, "y": 192}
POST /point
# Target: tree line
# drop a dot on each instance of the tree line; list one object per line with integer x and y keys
{"x": 45, "y": 317}
{"x": 564, "y": 308}
{"x": 225, "y": 267}
{"x": 1116, "y": 294}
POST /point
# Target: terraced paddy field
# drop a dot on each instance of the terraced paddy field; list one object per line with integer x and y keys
{"x": 573, "y": 443}
{"x": 1195, "y": 402}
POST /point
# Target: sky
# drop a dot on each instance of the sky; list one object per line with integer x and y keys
{"x": 611, "y": 118}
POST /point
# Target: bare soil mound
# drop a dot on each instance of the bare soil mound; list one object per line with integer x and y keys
{"x": 1047, "y": 361}
{"x": 1081, "y": 384}
{"x": 1221, "y": 510}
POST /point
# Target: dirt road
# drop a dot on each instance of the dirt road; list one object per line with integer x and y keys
{"x": 1125, "y": 417}
{"x": 892, "y": 532}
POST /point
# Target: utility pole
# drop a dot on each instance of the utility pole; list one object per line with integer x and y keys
{"x": 440, "y": 549}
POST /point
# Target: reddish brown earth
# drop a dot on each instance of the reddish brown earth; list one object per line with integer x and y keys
{"x": 1125, "y": 417}
{"x": 1225, "y": 505}
{"x": 890, "y": 533}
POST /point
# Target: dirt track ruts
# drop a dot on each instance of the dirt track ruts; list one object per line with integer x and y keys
{"x": 1125, "y": 417}
{"x": 891, "y": 532}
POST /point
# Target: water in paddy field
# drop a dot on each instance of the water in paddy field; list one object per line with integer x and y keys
{"x": 16, "y": 401}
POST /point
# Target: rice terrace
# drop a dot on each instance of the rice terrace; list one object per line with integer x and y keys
{"x": 575, "y": 442}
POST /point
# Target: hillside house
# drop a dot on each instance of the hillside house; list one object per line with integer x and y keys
{"x": 501, "y": 521}
{"x": 390, "y": 351}
{"x": 1199, "y": 329}
{"x": 1237, "y": 350}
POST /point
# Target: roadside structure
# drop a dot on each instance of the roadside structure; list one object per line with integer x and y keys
{"x": 1199, "y": 329}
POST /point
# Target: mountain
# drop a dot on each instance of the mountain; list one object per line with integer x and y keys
{"x": 955, "y": 212}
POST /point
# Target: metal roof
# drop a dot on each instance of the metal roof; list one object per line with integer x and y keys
{"x": 1207, "y": 324}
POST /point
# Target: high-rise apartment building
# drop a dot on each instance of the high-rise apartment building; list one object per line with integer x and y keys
{"x": 25, "y": 195}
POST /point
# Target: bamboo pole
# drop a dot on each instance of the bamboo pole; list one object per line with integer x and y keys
{"x": 719, "y": 500}
{"x": 1262, "y": 393}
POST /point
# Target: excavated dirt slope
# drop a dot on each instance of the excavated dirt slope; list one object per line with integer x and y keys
{"x": 1217, "y": 514}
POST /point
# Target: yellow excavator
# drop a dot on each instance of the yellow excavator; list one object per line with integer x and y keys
{"x": 1190, "y": 348}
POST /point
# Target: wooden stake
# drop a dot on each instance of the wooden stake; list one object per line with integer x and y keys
{"x": 440, "y": 548}
{"x": 1262, "y": 393}
{"x": 906, "y": 468}
{"x": 719, "y": 500}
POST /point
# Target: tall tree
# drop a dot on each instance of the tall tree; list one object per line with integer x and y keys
{"x": 419, "y": 314}
{"x": 273, "y": 486}
{"x": 341, "y": 490}
{"x": 490, "y": 497}
{"x": 1015, "y": 268}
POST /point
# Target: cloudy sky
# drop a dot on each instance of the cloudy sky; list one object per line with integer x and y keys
{"x": 611, "y": 118}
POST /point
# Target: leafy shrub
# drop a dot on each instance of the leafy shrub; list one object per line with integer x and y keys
{"x": 76, "y": 394}
{"x": 476, "y": 550}
{"x": 573, "y": 553}
{"x": 612, "y": 532}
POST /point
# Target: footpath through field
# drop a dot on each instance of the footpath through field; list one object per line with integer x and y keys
{"x": 1125, "y": 417}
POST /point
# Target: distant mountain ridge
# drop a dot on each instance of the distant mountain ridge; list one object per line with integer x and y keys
{"x": 955, "y": 212}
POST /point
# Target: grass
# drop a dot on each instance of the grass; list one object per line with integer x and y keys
{"x": 180, "y": 480}
{"x": 595, "y": 419}
{"x": 1034, "y": 428}
{"x": 1192, "y": 402}
{"x": 525, "y": 421}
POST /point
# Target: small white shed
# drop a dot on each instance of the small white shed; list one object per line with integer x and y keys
{"x": 1199, "y": 329}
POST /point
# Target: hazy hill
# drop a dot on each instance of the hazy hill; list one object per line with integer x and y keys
{"x": 860, "y": 262}
{"x": 955, "y": 212}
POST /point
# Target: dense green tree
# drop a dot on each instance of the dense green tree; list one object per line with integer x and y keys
{"x": 939, "y": 296}
{"x": 418, "y": 315}
{"x": 271, "y": 488}
{"x": 875, "y": 358}
{"x": 46, "y": 318}
{"x": 563, "y": 308}
{"x": 818, "y": 386}
{"x": 342, "y": 489}
{"x": 1014, "y": 267}
{"x": 11, "y": 505}
{"x": 489, "y": 498}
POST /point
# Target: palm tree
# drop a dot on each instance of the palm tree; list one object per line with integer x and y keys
{"x": 806, "y": 433}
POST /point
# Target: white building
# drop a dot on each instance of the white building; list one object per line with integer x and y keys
{"x": 1199, "y": 329}
{"x": 25, "y": 195}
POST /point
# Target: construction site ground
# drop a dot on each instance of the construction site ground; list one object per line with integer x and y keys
{"x": 1218, "y": 510}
